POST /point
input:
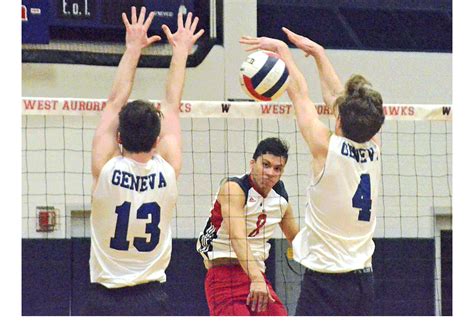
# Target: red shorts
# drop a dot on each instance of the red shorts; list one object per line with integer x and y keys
{"x": 227, "y": 288}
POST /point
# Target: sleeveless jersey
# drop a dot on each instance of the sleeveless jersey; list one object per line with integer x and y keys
{"x": 341, "y": 209}
{"x": 262, "y": 215}
{"x": 132, "y": 208}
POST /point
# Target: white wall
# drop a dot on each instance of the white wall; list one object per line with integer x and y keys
{"x": 205, "y": 82}
{"x": 400, "y": 77}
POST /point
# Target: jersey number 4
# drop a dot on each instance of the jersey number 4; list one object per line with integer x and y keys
{"x": 119, "y": 241}
{"x": 362, "y": 198}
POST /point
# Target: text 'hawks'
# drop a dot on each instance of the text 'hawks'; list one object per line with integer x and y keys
{"x": 137, "y": 183}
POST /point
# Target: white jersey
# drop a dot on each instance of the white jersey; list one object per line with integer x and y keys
{"x": 340, "y": 212}
{"x": 132, "y": 208}
{"x": 262, "y": 215}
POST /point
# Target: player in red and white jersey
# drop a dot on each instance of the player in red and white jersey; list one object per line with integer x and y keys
{"x": 335, "y": 244}
{"x": 136, "y": 159}
{"x": 234, "y": 242}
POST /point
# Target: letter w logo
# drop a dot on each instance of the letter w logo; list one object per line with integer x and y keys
{"x": 446, "y": 110}
{"x": 225, "y": 107}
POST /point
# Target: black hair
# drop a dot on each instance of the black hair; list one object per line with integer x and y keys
{"x": 273, "y": 146}
{"x": 360, "y": 110}
{"x": 139, "y": 126}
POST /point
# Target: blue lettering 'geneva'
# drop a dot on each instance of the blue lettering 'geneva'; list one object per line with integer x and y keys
{"x": 162, "y": 183}
{"x": 136, "y": 182}
{"x": 359, "y": 155}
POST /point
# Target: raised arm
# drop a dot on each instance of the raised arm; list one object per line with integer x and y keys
{"x": 182, "y": 41}
{"x": 331, "y": 86}
{"x": 104, "y": 144}
{"x": 315, "y": 133}
{"x": 232, "y": 201}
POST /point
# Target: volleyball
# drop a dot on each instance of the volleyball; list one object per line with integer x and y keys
{"x": 264, "y": 76}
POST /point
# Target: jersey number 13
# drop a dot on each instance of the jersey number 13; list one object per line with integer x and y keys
{"x": 119, "y": 241}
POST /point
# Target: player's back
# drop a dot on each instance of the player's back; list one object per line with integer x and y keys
{"x": 340, "y": 213}
{"x": 132, "y": 208}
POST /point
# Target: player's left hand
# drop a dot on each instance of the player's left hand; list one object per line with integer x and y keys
{"x": 308, "y": 46}
{"x": 136, "y": 31}
{"x": 264, "y": 43}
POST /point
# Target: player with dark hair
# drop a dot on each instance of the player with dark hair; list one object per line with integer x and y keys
{"x": 134, "y": 187}
{"x": 234, "y": 242}
{"x": 336, "y": 244}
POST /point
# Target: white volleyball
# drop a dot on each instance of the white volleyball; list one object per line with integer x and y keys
{"x": 264, "y": 76}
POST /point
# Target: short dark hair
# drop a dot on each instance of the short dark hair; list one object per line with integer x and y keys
{"x": 273, "y": 146}
{"x": 360, "y": 110}
{"x": 139, "y": 126}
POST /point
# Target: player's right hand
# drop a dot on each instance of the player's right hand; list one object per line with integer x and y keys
{"x": 185, "y": 36}
{"x": 259, "y": 296}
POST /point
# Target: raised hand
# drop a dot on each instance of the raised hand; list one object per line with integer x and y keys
{"x": 136, "y": 36}
{"x": 184, "y": 36}
{"x": 263, "y": 43}
{"x": 305, "y": 44}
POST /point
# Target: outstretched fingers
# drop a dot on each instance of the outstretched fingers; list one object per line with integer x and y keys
{"x": 254, "y": 43}
{"x": 168, "y": 34}
{"x": 250, "y": 49}
{"x": 134, "y": 15}
{"x": 191, "y": 25}
{"x": 180, "y": 20}
{"x": 198, "y": 35}
{"x": 153, "y": 39}
{"x": 287, "y": 31}
{"x": 148, "y": 21}
{"x": 293, "y": 37}
{"x": 189, "y": 19}
{"x": 247, "y": 39}
{"x": 194, "y": 25}
{"x": 141, "y": 18}
{"x": 125, "y": 21}
{"x": 298, "y": 40}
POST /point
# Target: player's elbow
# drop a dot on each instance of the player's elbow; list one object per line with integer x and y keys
{"x": 115, "y": 102}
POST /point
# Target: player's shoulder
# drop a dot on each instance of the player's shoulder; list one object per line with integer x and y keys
{"x": 112, "y": 163}
{"x": 162, "y": 163}
{"x": 243, "y": 181}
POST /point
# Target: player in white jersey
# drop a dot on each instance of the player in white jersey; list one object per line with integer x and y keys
{"x": 134, "y": 186}
{"x": 335, "y": 244}
{"x": 234, "y": 242}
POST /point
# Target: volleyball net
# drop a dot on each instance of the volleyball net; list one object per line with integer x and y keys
{"x": 219, "y": 139}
